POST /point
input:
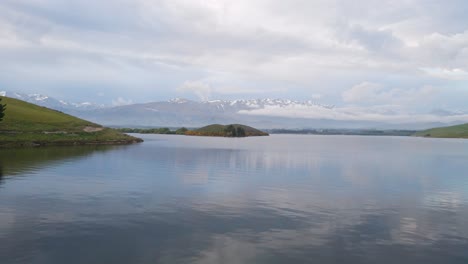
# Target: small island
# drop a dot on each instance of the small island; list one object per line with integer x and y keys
{"x": 215, "y": 130}
{"x": 25, "y": 124}
{"x": 233, "y": 130}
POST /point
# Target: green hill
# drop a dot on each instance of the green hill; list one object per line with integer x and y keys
{"x": 233, "y": 130}
{"x": 27, "y": 124}
{"x": 459, "y": 131}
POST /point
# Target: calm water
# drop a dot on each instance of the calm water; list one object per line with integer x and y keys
{"x": 277, "y": 199}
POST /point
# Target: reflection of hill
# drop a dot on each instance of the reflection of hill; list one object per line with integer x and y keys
{"x": 15, "y": 161}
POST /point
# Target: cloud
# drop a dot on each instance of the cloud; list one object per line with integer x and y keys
{"x": 373, "y": 40}
{"x": 316, "y": 96}
{"x": 449, "y": 74}
{"x": 369, "y": 101}
{"x": 206, "y": 88}
{"x": 201, "y": 89}
{"x": 121, "y": 101}
{"x": 308, "y": 47}
{"x": 365, "y": 91}
{"x": 375, "y": 94}
{"x": 389, "y": 114}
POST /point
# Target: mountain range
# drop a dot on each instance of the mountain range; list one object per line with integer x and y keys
{"x": 50, "y": 102}
{"x": 261, "y": 113}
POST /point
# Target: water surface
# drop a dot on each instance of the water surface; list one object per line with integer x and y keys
{"x": 277, "y": 199}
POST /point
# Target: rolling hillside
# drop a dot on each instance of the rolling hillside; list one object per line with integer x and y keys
{"x": 459, "y": 131}
{"x": 233, "y": 130}
{"x": 27, "y": 124}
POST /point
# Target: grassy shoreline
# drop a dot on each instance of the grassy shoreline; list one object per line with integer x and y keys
{"x": 29, "y": 125}
{"x": 104, "y": 137}
{"x": 457, "y": 131}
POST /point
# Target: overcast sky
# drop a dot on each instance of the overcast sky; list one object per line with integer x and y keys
{"x": 411, "y": 54}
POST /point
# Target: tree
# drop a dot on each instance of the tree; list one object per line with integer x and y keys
{"x": 240, "y": 132}
{"x": 2, "y": 109}
{"x": 230, "y": 131}
{"x": 181, "y": 131}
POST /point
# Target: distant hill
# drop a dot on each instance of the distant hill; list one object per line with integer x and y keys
{"x": 233, "y": 130}
{"x": 265, "y": 113}
{"x": 459, "y": 131}
{"x": 27, "y": 124}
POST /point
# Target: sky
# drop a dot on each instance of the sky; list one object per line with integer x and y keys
{"x": 410, "y": 55}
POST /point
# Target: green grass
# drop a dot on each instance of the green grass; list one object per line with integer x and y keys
{"x": 219, "y": 130}
{"x": 27, "y": 124}
{"x": 26, "y": 117}
{"x": 211, "y": 128}
{"x": 459, "y": 131}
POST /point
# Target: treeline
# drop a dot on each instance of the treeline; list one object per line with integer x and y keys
{"x": 204, "y": 133}
{"x": 215, "y": 130}
{"x": 357, "y": 132}
{"x": 163, "y": 130}
{"x": 232, "y": 131}
{"x": 227, "y": 131}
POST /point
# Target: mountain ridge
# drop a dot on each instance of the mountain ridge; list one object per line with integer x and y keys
{"x": 266, "y": 113}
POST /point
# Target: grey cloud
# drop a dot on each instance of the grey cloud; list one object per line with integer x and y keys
{"x": 311, "y": 47}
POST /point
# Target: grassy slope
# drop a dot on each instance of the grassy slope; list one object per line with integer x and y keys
{"x": 29, "y": 124}
{"x": 217, "y": 129}
{"x": 459, "y": 131}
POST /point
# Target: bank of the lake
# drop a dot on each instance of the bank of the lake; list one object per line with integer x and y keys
{"x": 458, "y": 131}
{"x": 26, "y": 125}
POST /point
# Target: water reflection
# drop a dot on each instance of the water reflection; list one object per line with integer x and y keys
{"x": 282, "y": 199}
{"x": 15, "y": 161}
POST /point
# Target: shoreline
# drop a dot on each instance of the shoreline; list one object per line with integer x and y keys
{"x": 38, "y": 144}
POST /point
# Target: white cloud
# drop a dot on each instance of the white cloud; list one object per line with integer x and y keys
{"x": 326, "y": 45}
{"x": 121, "y": 101}
{"x": 201, "y": 89}
{"x": 365, "y": 91}
{"x": 206, "y": 88}
{"x": 449, "y": 74}
{"x": 375, "y": 94}
{"x": 390, "y": 114}
{"x": 316, "y": 96}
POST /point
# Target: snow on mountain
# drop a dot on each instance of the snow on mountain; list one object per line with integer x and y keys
{"x": 184, "y": 112}
{"x": 262, "y": 113}
{"x": 46, "y": 101}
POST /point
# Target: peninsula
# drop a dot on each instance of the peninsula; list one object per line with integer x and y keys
{"x": 26, "y": 124}
{"x": 458, "y": 131}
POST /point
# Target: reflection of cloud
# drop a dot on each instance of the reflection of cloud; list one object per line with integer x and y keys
{"x": 256, "y": 199}
{"x": 228, "y": 250}
{"x": 406, "y": 232}
{"x": 7, "y": 219}
{"x": 449, "y": 201}
{"x": 194, "y": 178}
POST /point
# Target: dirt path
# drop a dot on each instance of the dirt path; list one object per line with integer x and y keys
{"x": 90, "y": 129}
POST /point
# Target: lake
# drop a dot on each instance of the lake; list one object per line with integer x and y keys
{"x": 277, "y": 199}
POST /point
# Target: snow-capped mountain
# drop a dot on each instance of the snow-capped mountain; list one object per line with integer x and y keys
{"x": 238, "y": 105}
{"x": 184, "y": 112}
{"x": 261, "y": 113}
{"x": 50, "y": 102}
